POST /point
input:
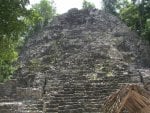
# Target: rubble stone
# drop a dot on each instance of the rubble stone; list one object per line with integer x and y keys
{"x": 74, "y": 63}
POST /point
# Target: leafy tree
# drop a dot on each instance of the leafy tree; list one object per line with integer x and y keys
{"x": 11, "y": 17}
{"x": 110, "y": 6}
{"x": 130, "y": 16}
{"x": 12, "y": 13}
{"x": 17, "y": 23}
{"x": 87, "y": 5}
{"x": 114, "y": 6}
{"x": 135, "y": 14}
{"x": 46, "y": 11}
{"x": 32, "y": 23}
{"x": 146, "y": 32}
{"x": 39, "y": 16}
{"x": 145, "y": 19}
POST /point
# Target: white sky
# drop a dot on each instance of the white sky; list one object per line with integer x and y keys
{"x": 63, "y": 6}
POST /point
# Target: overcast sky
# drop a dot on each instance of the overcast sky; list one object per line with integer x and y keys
{"x": 63, "y": 6}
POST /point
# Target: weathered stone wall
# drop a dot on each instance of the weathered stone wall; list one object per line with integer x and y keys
{"x": 8, "y": 88}
{"x": 29, "y": 93}
{"x": 76, "y": 62}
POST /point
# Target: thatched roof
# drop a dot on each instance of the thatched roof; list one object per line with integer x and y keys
{"x": 132, "y": 98}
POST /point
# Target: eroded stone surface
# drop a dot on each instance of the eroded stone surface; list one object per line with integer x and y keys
{"x": 77, "y": 61}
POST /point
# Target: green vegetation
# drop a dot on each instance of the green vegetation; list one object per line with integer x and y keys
{"x": 110, "y": 6}
{"x": 46, "y": 11}
{"x": 12, "y": 14}
{"x": 16, "y": 24}
{"x": 136, "y": 14}
{"x": 87, "y": 5}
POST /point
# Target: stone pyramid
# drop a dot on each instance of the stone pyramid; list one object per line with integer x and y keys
{"x": 74, "y": 63}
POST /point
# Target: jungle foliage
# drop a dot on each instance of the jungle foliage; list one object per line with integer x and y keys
{"x": 87, "y": 5}
{"x": 12, "y": 14}
{"x": 16, "y": 24}
{"x": 46, "y": 11}
{"x": 136, "y": 14}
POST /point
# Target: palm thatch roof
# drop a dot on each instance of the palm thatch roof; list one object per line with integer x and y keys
{"x": 131, "y": 98}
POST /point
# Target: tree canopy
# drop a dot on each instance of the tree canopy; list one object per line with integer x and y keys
{"x": 86, "y": 5}
{"x": 16, "y": 23}
{"x": 136, "y": 14}
{"x": 46, "y": 11}
{"x": 110, "y": 6}
{"x": 12, "y": 14}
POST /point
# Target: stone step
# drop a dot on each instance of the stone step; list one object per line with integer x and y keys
{"x": 79, "y": 110}
{"x": 6, "y": 100}
{"x": 10, "y": 107}
{"x": 7, "y": 111}
{"x": 72, "y": 106}
{"x": 91, "y": 109}
{"x": 47, "y": 110}
{"x": 50, "y": 105}
{"x": 29, "y": 92}
{"x": 29, "y": 112}
{"x": 93, "y": 112}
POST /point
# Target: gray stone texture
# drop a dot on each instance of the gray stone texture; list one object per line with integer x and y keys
{"x": 74, "y": 63}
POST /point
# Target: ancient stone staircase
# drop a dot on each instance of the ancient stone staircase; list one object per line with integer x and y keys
{"x": 82, "y": 95}
{"x": 72, "y": 65}
{"x": 78, "y": 95}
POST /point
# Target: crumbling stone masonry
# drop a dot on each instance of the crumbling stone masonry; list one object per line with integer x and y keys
{"x": 74, "y": 63}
